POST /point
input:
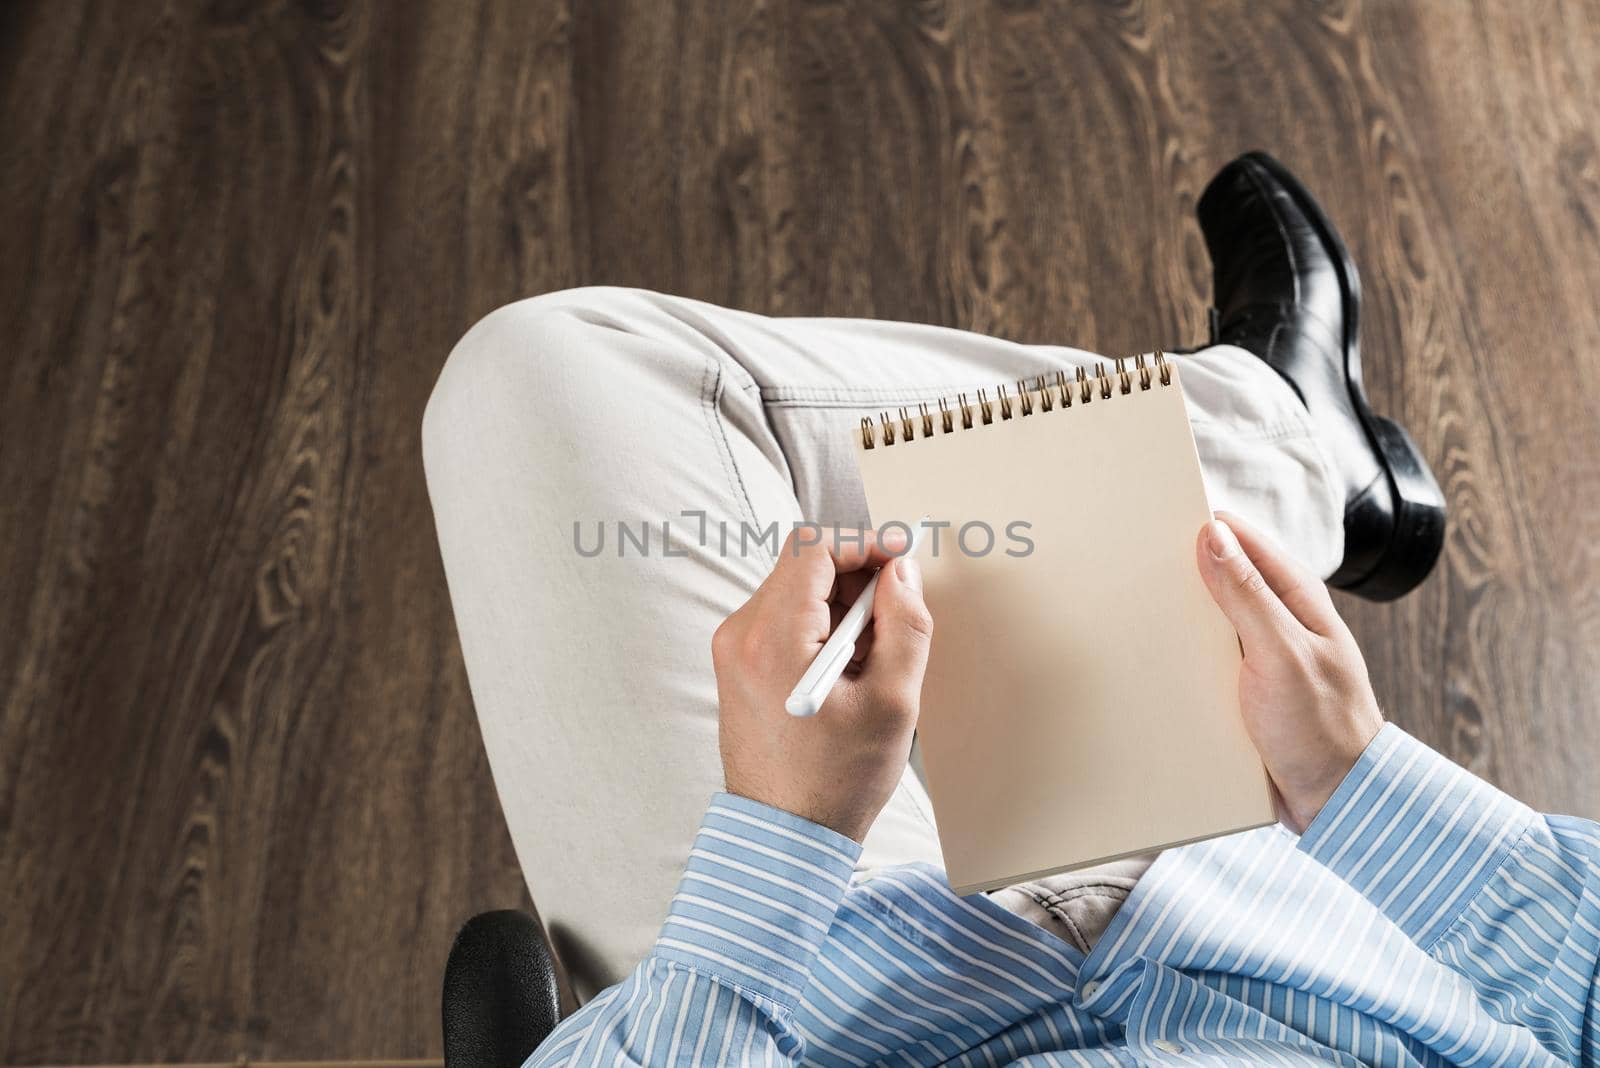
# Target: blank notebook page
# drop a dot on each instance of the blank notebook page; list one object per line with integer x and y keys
{"x": 1081, "y": 701}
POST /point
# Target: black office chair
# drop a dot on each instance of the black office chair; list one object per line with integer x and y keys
{"x": 502, "y": 991}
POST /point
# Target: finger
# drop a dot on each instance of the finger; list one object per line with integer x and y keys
{"x": 836, "y": 613}
{"x": 813, "y": 557}
{"x": 902, "y": 629}
{"x": 854, "y": 550}
{"x": 847, "y": 590}
{"x": 848, "y": 587}
{"x": 1241, "y": 591}
{"x": 1302, "y": 593}
{"x": 863, "y": 648}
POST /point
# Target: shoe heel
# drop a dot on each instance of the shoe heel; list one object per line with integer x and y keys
{"x": 1419, "y": 511}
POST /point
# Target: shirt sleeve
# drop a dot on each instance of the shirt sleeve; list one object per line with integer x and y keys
{"x": 1504, "y": 896}
{"x": 720, "y": 986}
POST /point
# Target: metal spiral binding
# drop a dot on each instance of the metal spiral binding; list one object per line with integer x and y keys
{"x": 1042, "y": 396}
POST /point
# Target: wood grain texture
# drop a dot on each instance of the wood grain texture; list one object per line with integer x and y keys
{"x": 243, "y": 804}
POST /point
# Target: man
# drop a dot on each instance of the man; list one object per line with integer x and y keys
{"x": 1404, "y": 913}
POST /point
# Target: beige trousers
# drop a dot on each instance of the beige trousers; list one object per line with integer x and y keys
{"x": 564, "y": 419}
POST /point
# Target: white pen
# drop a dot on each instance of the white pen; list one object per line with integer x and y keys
{"x": 815, "y": 685}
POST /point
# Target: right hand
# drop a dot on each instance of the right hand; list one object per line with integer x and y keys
{"x": 839, "y": 767}
{"x": 1303, "y": 690}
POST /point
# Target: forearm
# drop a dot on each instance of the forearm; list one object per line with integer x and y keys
{"x": 755, "y": 903}
{"x": 1505, "y": 897}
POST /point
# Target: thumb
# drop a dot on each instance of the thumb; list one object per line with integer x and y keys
{"x": 901, "y": 631}
{"x": 1242, "y": 592}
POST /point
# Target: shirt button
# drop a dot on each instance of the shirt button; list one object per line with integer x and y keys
{"x": 1167, "y": 1047}
{"x": 1091, "y": 988}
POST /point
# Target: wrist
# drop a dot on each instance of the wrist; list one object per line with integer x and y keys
{"x": 813, "y": 810}
{"x": 1408, "y": 828}
{"x": 764, "y": 935}
{"x": 1312, "y": 786}
{"x": 1299, "y": 809}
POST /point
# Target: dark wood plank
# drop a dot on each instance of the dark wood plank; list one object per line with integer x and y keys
{"x": 242, "y": 801}
{"x": 247, "y": 784}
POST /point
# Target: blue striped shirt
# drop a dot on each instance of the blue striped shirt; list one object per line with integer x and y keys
{"x": 1424, "y": 918}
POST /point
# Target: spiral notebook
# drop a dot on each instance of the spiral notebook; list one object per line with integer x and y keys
{"x": 1081, "y": 701}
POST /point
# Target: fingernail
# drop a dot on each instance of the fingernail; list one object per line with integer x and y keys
{"x": 893, "y": 539}
{"x": 1220, "y": 540}
{"x": 909, "y": 572}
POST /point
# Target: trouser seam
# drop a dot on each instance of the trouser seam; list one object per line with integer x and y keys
{"x": 1063, "y": 917}
{"x": 711, "y": 404}
{"x": 1285, "y": 430}
{"x": 853, "y": 397}
{"x": 1061, "y": 897}
{"x": 918, "y": 804}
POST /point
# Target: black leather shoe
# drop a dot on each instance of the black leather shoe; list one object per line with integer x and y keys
{"x": 1287, "y": 291}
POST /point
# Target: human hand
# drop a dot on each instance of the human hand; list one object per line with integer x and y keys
{"x": 839, "y": 767}
{"x": 1303, "y": 689}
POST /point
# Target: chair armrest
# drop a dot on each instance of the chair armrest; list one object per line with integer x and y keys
{"x": 502, "y": 991}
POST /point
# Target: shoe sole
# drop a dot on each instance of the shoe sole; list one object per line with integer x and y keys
{"x": 1417, "y": 537}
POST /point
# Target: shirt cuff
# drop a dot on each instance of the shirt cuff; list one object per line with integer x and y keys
{"x": 760, "y": 892}
{"x": 1414, "y": 833}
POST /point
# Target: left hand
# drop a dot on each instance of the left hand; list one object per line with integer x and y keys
{"x": 1303, "y": 689}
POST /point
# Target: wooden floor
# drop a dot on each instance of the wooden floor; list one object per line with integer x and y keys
{"x": 243, "y": 803}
